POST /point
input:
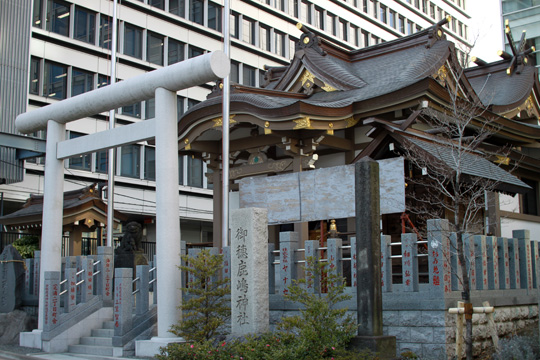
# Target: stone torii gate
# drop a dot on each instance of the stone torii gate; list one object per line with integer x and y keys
{"x": 161, "y": 84}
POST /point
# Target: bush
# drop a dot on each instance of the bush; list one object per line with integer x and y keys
{"x": 26, "y": 245}
{"x": 205, "y": 313}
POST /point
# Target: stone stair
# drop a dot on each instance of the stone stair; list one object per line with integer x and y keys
{"x": 99, "y": 343}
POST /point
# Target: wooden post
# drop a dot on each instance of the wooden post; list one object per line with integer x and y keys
{"x": 492, "y": 328}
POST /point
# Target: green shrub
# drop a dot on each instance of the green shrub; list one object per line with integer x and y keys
{"x": 207, "y": 310}
{"x": 26, "y": 245}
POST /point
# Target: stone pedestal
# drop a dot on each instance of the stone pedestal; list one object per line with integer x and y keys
{"x": 11, "y": 279}
{"x": 383, "y": 346}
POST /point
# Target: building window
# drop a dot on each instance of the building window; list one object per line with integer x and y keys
{"x": 55, "y": 81}
{"x": 331, "y": 24}
{"x": 529, "y": 199}
{"x": 365, "y": 6}
{"x": 130, "y": 161}
{"x": 194, "y": 172}
{"x": 248, "y": 31}
{"x": 305, "y": 13}
{"x": 103, "y": 80}
{"x": 179, "y": 106}
{"x": 235, "y": 73}
{"x": 248, "y": 75}
{"x": 196, "y": 11}
{"x": 194, "y": 51}
{"x": 175, "y": 53}
{"x": 180, "y": 170}
{"x": 157, "y": 3}
{"x": 425, "y": 6}
{"x": 81, "y": 81}
{"x": 392, "y": 18}
{"x": 214, "y": 16}
{"x": 343, "y": 33}
{"x": 401, "y": 24}
{"x": 102, "y": 165}
{"x": 81, "y": 162}
{"x": 354, "y": 35}
{"x": 132, "y": 110}
{"x": 365, "y": 37}
{"x": 432, "y": 10}
{"x": 382, "y": 12}
{"x": 34, "y": 76}
{"x": 150, "y": 108}
{"x": 132, "y": 41}
{"x": 264, "y": 38}
{"x": 279, "y": 40}
{"x": 149, "y": 163}
{"x": 417, "y": 4}
{"x": 85, "y": 25}
{"x": 410, "y": 27}
{"x": 319, "y": 18}
{"x": 374, "y": 8}
{"x": 105, "y": 32}
{"x": 177, "y": 7}
{"x": 234, "y": 26}
{"x": 154, "y": 48}
{"x": 37, "y": 14}
{"x": 192, "y": 102}
{"x": 58, "y": 17}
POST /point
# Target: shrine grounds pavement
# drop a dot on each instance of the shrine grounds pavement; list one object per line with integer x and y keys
{"x": 15, "y": 352}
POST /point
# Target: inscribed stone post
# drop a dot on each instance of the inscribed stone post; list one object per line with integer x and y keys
{"x": 249, "y": 271}
{"x": 480, "y": 254}
{"x": 87, "y": 289}
{"x": 493, "y": 263}
{"x": 52, "y": 300}
{"x": 523, "y": 238}
{"x": 226, "y": 253}
{"x": 409, "y": 264}
{"x": 271, "y": 272}
{"x": 312, "y": 279}
{"x": 123, "y": 300}
{"x": 192, "y": 254}
{"x": 288, "y": 244}
{"x": 106, "y": 261}
{"x": 504, "y": 263}
{"x": 513, "y": 256}
{"x": 386, "y": 263}
{"x": 28, "y": 277}
{"x": 11, "y": 279}
{"x": 468, "y": 246}
{"x": 71, "y": 287}
{"x": 334, "y": 256}
{"x": 440, "y": 274}
{"x": 142, "y": 300}
{"x": 37, "y": 265}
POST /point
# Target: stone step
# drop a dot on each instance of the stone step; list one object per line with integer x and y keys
{"x": 108, "y": 325}
{"x": 103, "y": 332}
{"x": 91, "y": 350}
{"x": 96, "y": 341}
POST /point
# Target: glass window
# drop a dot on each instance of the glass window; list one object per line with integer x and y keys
{"x": 365, "y": 6}
{"x": 354, "y": 35}
{"x": 194, "y": 51}
{"x": 382, "y": 12}
{"x": 305, "y": 13}
{"x": 150, "y": 108}
{"x": 58, "y": 17}
{"x": 192, "y": 102}
{"x": 101, "y": 161}
{"x": 81, "y": 81}
{"x": 85, "y": 25}
{"x": 279, "y": 40}
{"x": 81, "y": 162}
{"x": 149, "y": 163}
{"x": 194, "y": 172}
{"x": 264, "y": 38}
{"x": 248, "y": 31}
{"x": 105, "y": 32}
{"x": 410, "y": 27}
{"x": 132, "y": 41}
{"x": 330, "y": 26}
{"x": 34, "y": 76}
{"x": 374, "y": 8}
{"x": 392, "y": 18}
{"x": 235, "y": 73}
{"x": 177, "y": 7}
{"x": 365, "y": 36}
{"x": 103, "y": 80}
{"x": 175, "y": 52}
{"x": 425, "y": 6}
{"x": 196, "y": 11}
{"x": 432, "y": 10}
{"x": 132, "y": 110}
{"x": 249, "y": 73}
{"x": 319, "y": 18}
{"x": 130, "y": 161}
{"x": 37, "y": 14}
{"x": 234, "y": 26}
{"x": 343, "y": 33}
{"x": 154, "y": 48}
{"x": 55, "y": 80}
{"x": 157, "y": 3}
{"x": 179, "y": 106}
{"x": 417, "y": 4}
{"x": 401, "y": 24}
{"x": 180, "y": 170}
{"x": 214, "y": 16}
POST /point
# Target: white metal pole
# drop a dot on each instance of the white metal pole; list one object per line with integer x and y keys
{"x": 53, "y": 205}
{"x": 167, "y": 213}
{"x": 225, "y": 138}
{"x": 112, "y": 121}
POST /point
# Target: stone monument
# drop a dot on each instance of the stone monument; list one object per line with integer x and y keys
{"x": 11, "y": 279}
{"x": 130, "y": 253}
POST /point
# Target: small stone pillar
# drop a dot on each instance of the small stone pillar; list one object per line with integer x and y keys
{"x": 523, "y": 238}
{"x": 409, "y": 262}
{"x": 480, "y": 253}
{"x": 386, "y": 263}
{"x": 71, "y": 287}
{"x": 87, "y": 289}
{"x": 11, "y": 280}
{"x": 249, "y": 276}
{"x": 28, "y": 277}
{"x": 513, "y": 254}
{"x": 440, "y": 274}
{"x": 334, "y": 257}
{"x": 106, "y": 268}
{"x": 312, "y": 279}
{"x": 369, "y": 291}
{"x": 271, "y": 272}
{"x": 504, "y": 263}
{"x": 192, "y": 254}
{"x": 51, "y": 300}
{"x": 468, "y": 246}
{"x": 37, "y": 272}
{"x": 492, "y": 263}
{"x": 142, "y": 300}
{"x": 288, "y": 244}
{"x": 123, "y": 300}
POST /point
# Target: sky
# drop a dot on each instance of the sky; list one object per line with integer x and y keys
{"x": 486, "y": 28}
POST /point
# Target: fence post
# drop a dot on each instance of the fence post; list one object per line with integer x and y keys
{"x": 28, "y": 276}
{"x": 523, "y": 238}
{"x": 141, "y": 299}
{"x": 123, "y": 300}
{"x": 440, "y": 271}
{"x": 534, "y": 258}
{"x": 183, "y": 252}
{"x": 409, "y": 262}
{"x": 52, "y": 300}
{"x": 288, "y": 244}
{"x": 71, "y": 289}
{"x": 513, "y": 252}
{"x": 192, "y": 254}
{"x": 492, "y": 263}
{"x": 271, "y": 272}
{"x": 106, "y": 268}
{"x": 87, "y": 288}
{"x": 504, "y": 263}
{"x": 37, "y": 264}
{"x": 154, "y": 284}
{"x": 386, "y": 263}
{"x": 480, "y": 253}
{"x": 213, "y": 251}
{"x": 312, "y": 278}
{"x": 334, "y": 257}
{"x": 468, "y": 246}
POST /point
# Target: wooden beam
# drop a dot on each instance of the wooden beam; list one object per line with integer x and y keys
{"x": 337, "y": 143}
